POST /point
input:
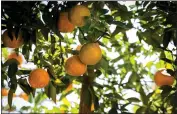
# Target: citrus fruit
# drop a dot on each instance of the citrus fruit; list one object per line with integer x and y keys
{"x": 74, "y": 66}
{"x": 77, "y": 14}
{"x": 4, "y": 92}
{"x": 163, "y": 79}
{"x": 38, "y": 78}
{"x": 18, "y": 57}
{"x": 14, "y": 43}
{"x": 24, "y": 96}
{"x": 90, "y": 53}
{"x": 64, "y": 25}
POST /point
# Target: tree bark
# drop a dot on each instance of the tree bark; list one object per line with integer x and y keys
{"x": 84, "y": 108}
{"x": 84, "y": 95}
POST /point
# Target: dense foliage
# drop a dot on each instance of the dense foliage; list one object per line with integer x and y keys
{"x": 155, "y": 24}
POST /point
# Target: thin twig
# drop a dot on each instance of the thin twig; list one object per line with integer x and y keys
{"x": 82, "y": 33}
{"x": 101, "y": 35}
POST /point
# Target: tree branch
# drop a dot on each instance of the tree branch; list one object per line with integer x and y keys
{"x": 104, "y": 33}
{"x": 82, "y": 33}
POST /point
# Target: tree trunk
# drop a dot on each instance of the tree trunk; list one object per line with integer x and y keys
{"x": 85, "y": 95}
{"x": 84, "y": 108}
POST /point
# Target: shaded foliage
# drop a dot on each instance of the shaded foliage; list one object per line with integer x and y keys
{"x": 37, "y": 21}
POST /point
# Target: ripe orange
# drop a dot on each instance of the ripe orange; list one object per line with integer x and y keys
{"x": 39, "y": 78}
{"x": 24, "y": 96}
{"x": 90, "y": 53}
{"x": 4, "y": 92}
{"x": 162, "y": 79}
{"x": 77, "y": 14}
{"x": 74, "y": 66}
{"x": 64, "y": 25}
{"x": 18, "y": 57}
{"x": 15, "y": 43}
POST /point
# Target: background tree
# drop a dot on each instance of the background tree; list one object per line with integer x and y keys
{"x": 156, "y": 25}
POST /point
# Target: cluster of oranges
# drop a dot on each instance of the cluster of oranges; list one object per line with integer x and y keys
{"x": 38, "y": 78}
{"x": 89, "y": 54}
{"x": 75, "y": 17}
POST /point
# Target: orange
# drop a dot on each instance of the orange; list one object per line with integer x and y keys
{"x": 4, "y": 92}
{"x": 90, "y": 53}
{"x": 162, "y": 79}
{"x": 74, "y": 66}
{"x": 18, "y": 57}
{"x": 79, "y": 47}
{"x": 64, "y": 25}
{"x": 69, "y": 88}
{"x": 77, "y": 14}
{"x": 24, "y": 96}
{"x": 38, "y": 78}
{"x": 15, "y": 43}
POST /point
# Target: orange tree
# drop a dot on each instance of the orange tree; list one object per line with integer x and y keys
{"x": 106, "y": 81}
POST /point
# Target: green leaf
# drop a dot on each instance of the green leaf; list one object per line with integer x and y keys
{"x": 10, "y": 97}
{"x": 151, "y": 5}
{"x": 65, "y": 94}
{"x": 24, "y": 49}
{"x": 45, "y": 33}
{"x": 27, "y": 72}
{"x": 117, "y": 58}
{"x": 122, "y": 25}
{"x": 117, "y": 30}
{"x": 25, "y": 86}
{"x": 10, "y": 61}
{"x": 109, "y": 19}
{"x": 52, "y": 90}
{"x": 53, "y": 41}
{"x": 167, "y": 60}
{"x": 50, "y": 70}
{"x": 103, "y": 11}
{"x": 25, "y": 108}
{"x": 4, "y": 52}
{"x": 166, "y": 90}
{"x": 141, "y": 110}
{"x": 133, "y": 78}
{"x": 98, "y": 85}
{"x": 46, "y": 89}
{"x": 123, "y": 107}
{"x": 171, "y": 72}
{"x": 143, "y": 96}
{"x": 145, "y": 3}
{"x": 40, "y": 97}
{"x": 166, "y": 39}
{"x": 113, "y": 111}
{"x": 133, "y": 99}
{"x": 104, "y": 64}
{"x": 149, "y": 64}
{"x": 13, "y": 68}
